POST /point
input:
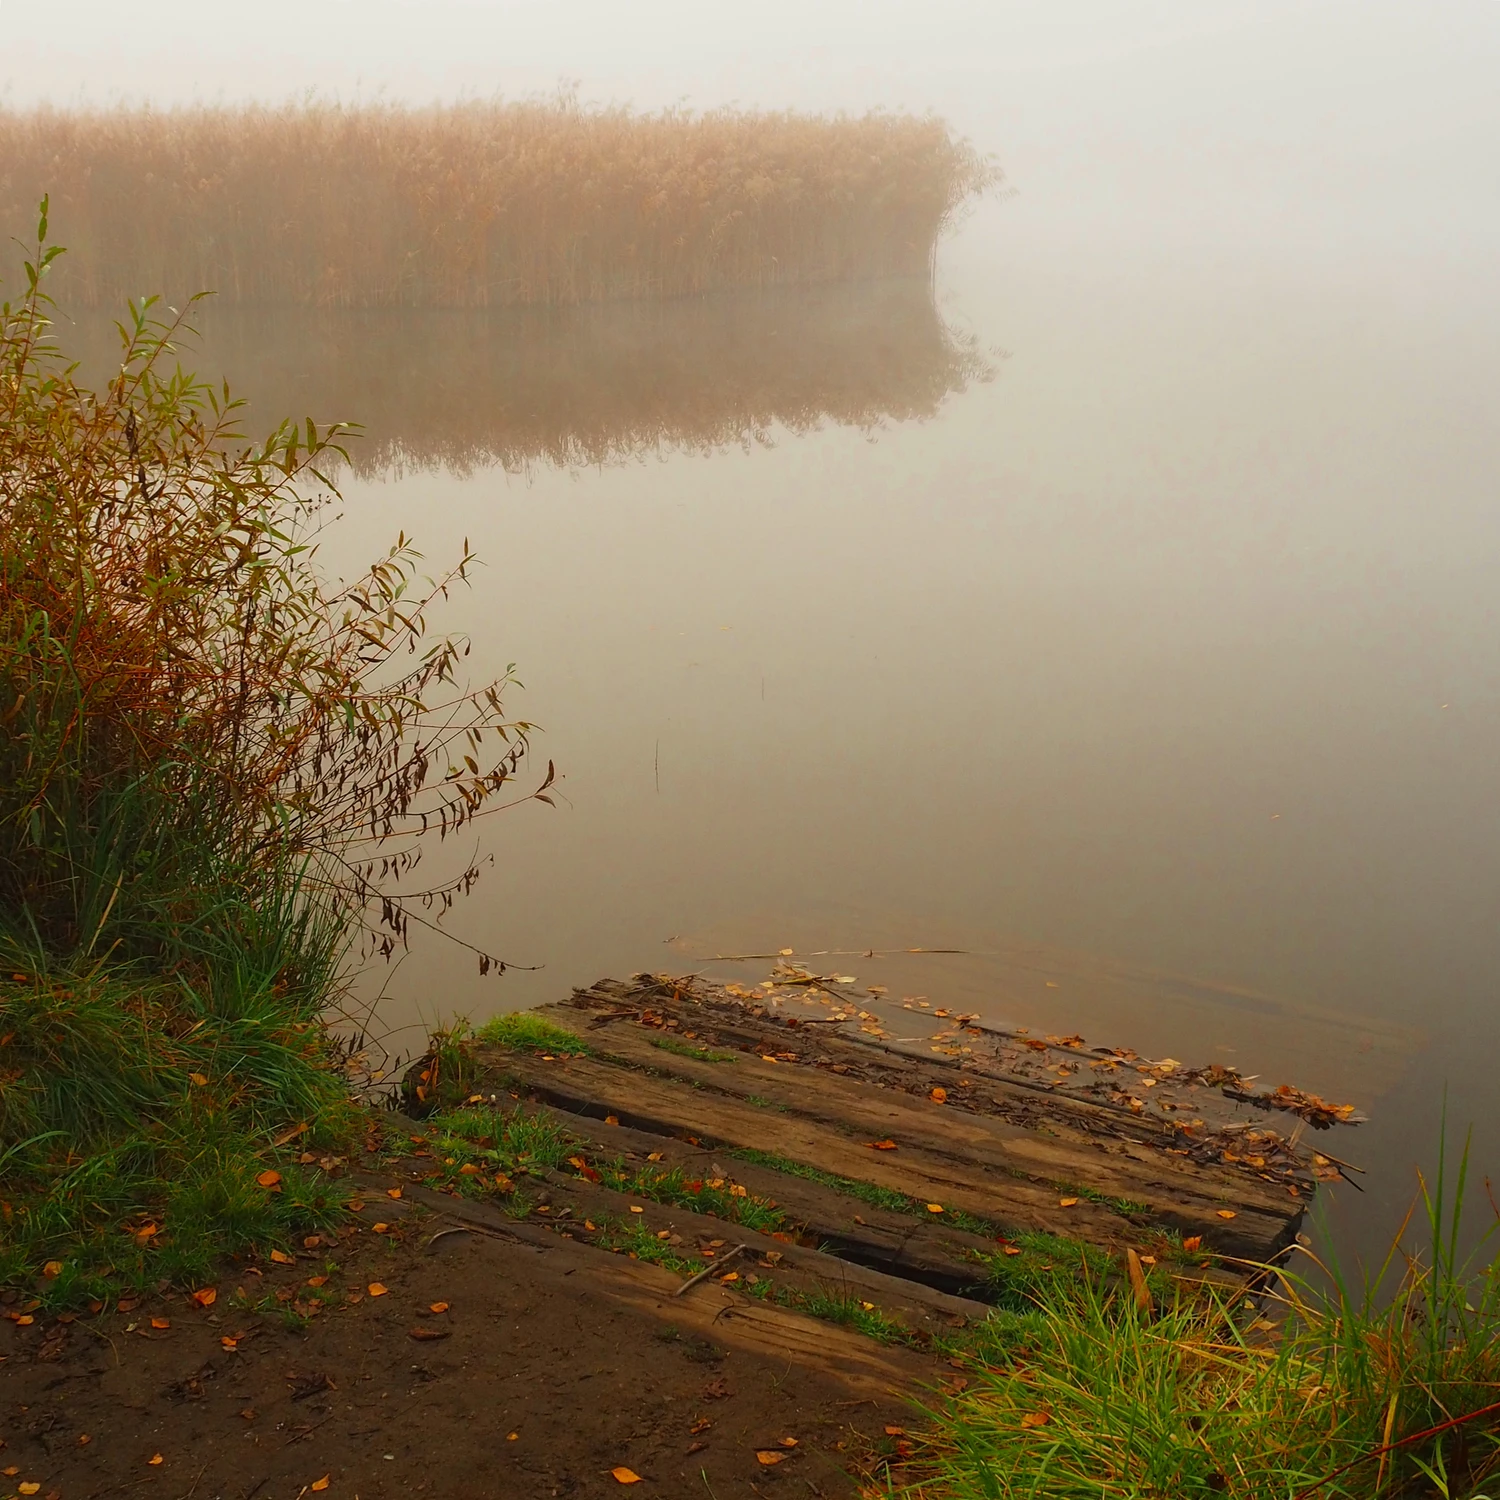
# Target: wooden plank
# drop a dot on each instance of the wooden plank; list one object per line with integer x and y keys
{"x": 897, "y": 1243}
{"x": 1120, "y": 1169}
{"x": 671, "y": 1106}
{"x": 712, "y": 1311}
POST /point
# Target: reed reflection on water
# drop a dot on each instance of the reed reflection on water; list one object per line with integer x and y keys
{"x": 581, "y": 386}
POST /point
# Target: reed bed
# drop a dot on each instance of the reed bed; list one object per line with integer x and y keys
{"x": 479, "y": 204}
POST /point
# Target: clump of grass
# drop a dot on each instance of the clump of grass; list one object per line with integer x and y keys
{"x": 639, "y": 1243}
{"x": 1388, "y": 1389}
{"x": 687, "y": 1049}
{"x": 208, "y": 758}
{"x": 716, "y": 1196}
{"x": 525, "y": 1031}
{"x": 497, "y": 1146}
{"x": 484, "y": 203}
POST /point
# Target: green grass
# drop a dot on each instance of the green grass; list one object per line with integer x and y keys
{"x": 525, "y": 1031}
{"x": 1082, "y": 1396}
{"x": 687, "y": 1049}
{"x": 640, "y": 1243}
{"x": 868, "y": 1192}
{"x": 714, "y": 1196}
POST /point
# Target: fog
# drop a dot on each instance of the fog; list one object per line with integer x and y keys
{"x": 1165, "y": 664}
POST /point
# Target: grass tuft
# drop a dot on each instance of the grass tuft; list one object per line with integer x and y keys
{"x": 525, "y": 1031}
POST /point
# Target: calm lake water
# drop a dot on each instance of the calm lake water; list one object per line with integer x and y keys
{"x": 1124, "y": 613}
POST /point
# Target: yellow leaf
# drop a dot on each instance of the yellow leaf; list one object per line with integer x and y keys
{"x": 626, "y": 1476}
{"x": 205, "y": 1296}
{"x": 269, "y": 1179}
{"x": 1066, "y": 1202}
{"x": 28, "y": 1487}
{"x": 375, "y": 1289}
{"x": 393, "y": 1192}
{"x": 155, "y": 1459}
{"x": 319, "y": 1484}
{"x": 380, "y": 1228}
{"x": 201, "y": 1079}
{"x": 1036, "y": 1419}
{"x": 282, "y": 1258}
{"x": 938, "y": 1096}
{"x": 768, "y": 1456}
{"x": 468, "y": 1170}
{"x": 934, "y": 1208}
{"x": 52, "y": 1268}
{"x": 1226, "y": 1213}
{"x": 438, "y": 1307}
{"x": 615, "y": 1120}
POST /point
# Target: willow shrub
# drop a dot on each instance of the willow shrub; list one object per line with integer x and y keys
{"x": 210, "y": 764}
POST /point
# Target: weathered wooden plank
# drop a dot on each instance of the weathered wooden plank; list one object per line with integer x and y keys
{"x": 919, "y": 1249}
{"x": 672, "y": 1106}
{"x": 712, "y": 1311}
{"x": 1120, "y": 1169}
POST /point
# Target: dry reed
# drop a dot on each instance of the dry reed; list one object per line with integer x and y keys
{"x": 478, "y": 204}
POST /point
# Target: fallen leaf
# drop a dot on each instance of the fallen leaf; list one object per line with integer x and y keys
{"x": 615, "y": 1120}
{"x": 1036, "y": 1419}
{"x": 28, "y": 1487}
{"x": 161, "y": 1322}
{"x": 24, "y": 1320}
{"x": 269, "y": 1178}
{"x": 438, "y": 1307}
{"x": 229, "y": 1344}
{"x": 393, "y": 1192}
{"x": 701, "y": 1425}
{"x": 155, "y": 1459}
{"x": 206, "y": 1296}
{"x": 791, "y": 1442}
{"x": 1226, "y": 1213}
{"x": 1012, "y": 1249}
{"x": 200, "y": 1079}
{"x": 625, "y": 1476}
{"x": 375, "y": 1289}
{"x": 653, "y": 1156}
{"x": 468, "y": 1170}
{"x": 1192, "y": 1242}
{"x": 881, "y": 1145}
{"x": 938, "y": 1096}
{"x": 934, "y": 1208}
{"x": 317, "y": 1280}
{"x": 283, "y": 1259}
{"x": 511, "y": 1437}
{"x": 1066, "y": 1202}
{"x": 380, "y": 1228}
{"x": 52, "y": 1269}
{"x": 732, "y": 1276}
{"x": 895, "y": 1432}
{"x": 428, "y": 1335}
{"x": 769, "y": 1456}
{"x": 319, "y": 1484}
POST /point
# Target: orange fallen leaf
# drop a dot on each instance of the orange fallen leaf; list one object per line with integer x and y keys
{"x": 769, "y": 1456}
{"x": 468, "y": 1170}
{"x": 1192, "y": 1242}
{"x": 11, "y": 1472}
{"x": 52, "y": 1269}
{"x": 316, "y": 1280}
{"x": 282, "y": 1258}
{"x": 155, "y": 1459}
{"x": 512, "y": 1437}
{"x": 1066, "y": 1202}
{"x": 881, "y": 1145}
{"x": 375, "y": 1289}
{"x": 319, "y": 1484}
{"x": 1012, "y": 1249}
{"x": 24, "y": 1320}
{"x": 380, "y": 1228}
{"x": 1226, "y": 1213}
{"x": 732, "y": 1276}
{"x": 938, "y": 1096}
{"x": 1036, "y": 1419}
{"x": 229, "y": 1344}
{"x": 200, "y": 1079}
{"x": 438, "y": 1307}
{"x": 206, "y": 1296}
{"x": 28, "y": 1487}
{"x": 161, "y": 1322}
{"x": 789, "y": 1442}
{"x": 393, "y": 1192}
{"x": 269, "y": 1178}
{"x": 934, "y": 1208}
{"x": 895, "y": 1432}
{"x": 615, "y": 1120}
{"x": 625, "y": 1476}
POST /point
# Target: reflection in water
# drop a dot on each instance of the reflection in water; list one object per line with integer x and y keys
{"x": 584, "y": 386}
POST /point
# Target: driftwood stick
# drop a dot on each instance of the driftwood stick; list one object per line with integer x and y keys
{"x": 708, "y": 1271}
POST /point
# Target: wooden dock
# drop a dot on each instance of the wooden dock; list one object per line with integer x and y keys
{"x": 903, "y": 1177}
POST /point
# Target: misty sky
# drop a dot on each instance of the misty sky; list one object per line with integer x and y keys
{"x": 1286, "y": 126}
